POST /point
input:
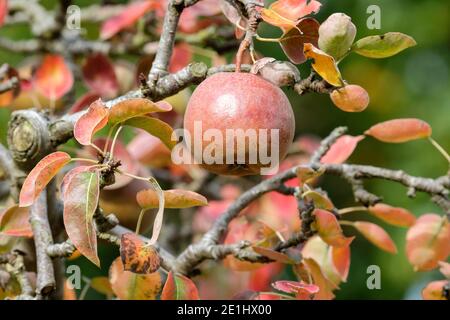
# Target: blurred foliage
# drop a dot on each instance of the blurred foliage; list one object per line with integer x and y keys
{"x": 414, "y": 83}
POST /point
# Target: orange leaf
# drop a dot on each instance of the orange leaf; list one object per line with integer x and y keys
{"x": 138, "y": 257}
{"x": 340, "y": 257}
{"x": 102, "y": 285}
{"x": 377, "y": 235}
{"x": 177, "y": 198}
{"x": 130, "y": 286}
{"x": 128, "y": 16}
{"x": 14, "y": 222}
{"x": 341, "y": 150}
{"x": 428, "y": 241}
{"x": 91, "y": 122}
{"x": 99, "y": 75}
{"x": 329, "y": 229}
{"x": 40, "y": 176}
{"x": 393, "y": 215}
{"x": 351, "y": 98}
{"x": 131, "y": 108}
{"x": 285, "y": 13}
{"x": 179, "y": 287}
{"x": 80, "y": 203}
{"x": 400, "y": 130}
{"x": 324, "y": 65}
{"x": 53, "y": 78}
{"x": 435, "y": 290}
{"x": 292, "y": 41}
{"x": 273, "y": 255}
{"x": 319, "y": 279}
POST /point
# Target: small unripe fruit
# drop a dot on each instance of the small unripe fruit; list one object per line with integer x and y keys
{"x": 336, "y": 35}
{"x": 351, "y": 98}
{"x": 239, "y": 102}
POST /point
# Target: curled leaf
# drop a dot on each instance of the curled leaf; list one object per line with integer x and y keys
{"x": 91, "y": 122}
{"x": 428, "y": 242}
{"x": 377, "y": 235}
{"x": 131, "y": 286}
{"x": 320, "y": 200}
{"x": 80, "y": 204}
{"x": 292, "y": 42}
{"x": 40, "y": 176}
{"x": 341, "y": 150}
{"x": 138, "y": 257}
{"x": 324, "y": 65}
{"x": 14, "y": 222}
{"x": 179, "y": 287}
{"x": 329, "y": 229}
{"x": 176, "y": 198}
{"x": 135, "y": 107}
{"x": 393, "y": 215}
{"x": 336, "y": 35}
{"x": 383, "y": 46}
{"x": 400, "y": 130}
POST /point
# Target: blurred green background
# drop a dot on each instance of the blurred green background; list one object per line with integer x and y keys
{"x": 415, "y": 83}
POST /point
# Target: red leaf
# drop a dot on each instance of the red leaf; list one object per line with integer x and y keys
{"x": 329, "y": 229}
{"x": 393, "y": 215}
{"x": 99, "y": 75}
{"x": 340, "y": 257}
{"x": 80, "y": 204}
{"x": 292, "y": 41}
{"x": 295, "y": 287}
{"x": 181, "y": 56}
{"x": 178, "y": 287}
{"x": 127, "y": 17}
{"x": 91, "y": 122}
{"x": 53, "y": 78}
{"x": 377, "y": 235}
{"x": 40, "y": 176}
{"x": 70, "y": 175}
{"x": 428, "y": 242}
{"x": 14, "y": 222}
{"x": 400, "y": 130}
{"x": 84, "y": 102}
{"x": 3, "y": 11}
{"x": 341, "y": 150}
{"x": 435, "y": 290}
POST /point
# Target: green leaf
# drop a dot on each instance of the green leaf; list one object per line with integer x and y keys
{"x": 383, "y": 46}
{"x": 80, "y": 203}
{"x": 155, "y": 127}
{"x": 179, "y": 287}
{"x": 135, "y": 107}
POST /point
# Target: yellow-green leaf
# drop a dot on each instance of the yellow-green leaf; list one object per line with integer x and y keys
{"x": 155, "y": 127}
{"x": 383, "y": 46}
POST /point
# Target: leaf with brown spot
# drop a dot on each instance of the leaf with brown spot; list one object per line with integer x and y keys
{"x": 324, "y": 65}
{"x": 435, "y": 290}
{"x": 377, "y": 235}
{"x": 14, "y": 222}
{"x": 179, "y": 287}
{"x": 383, "y": 46}
{"x": 135, "y": 107}
{"x": 91, "y": 122}
{"x": 400, "y": 130}
{"x": 80, "y": 203}
{"x": 136, "y": 256}
{"x": 131, "y": 286}
{"x": 329, "y": 229}
{"x": 173, "y": 199}
{"x": 395, "y": 216}
{"x": 40, "y": 176}
{"x": 320, "y": 200}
